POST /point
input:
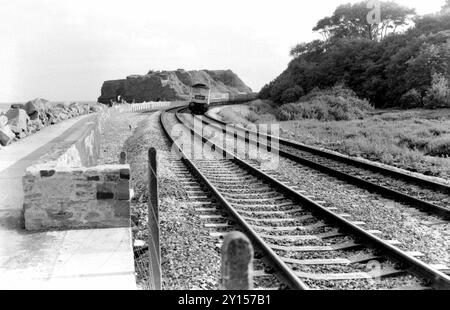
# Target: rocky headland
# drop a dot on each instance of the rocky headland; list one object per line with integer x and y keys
{"x": 170, "y": 85}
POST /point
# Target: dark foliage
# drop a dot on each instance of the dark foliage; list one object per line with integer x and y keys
{"x": 388, "y": 72}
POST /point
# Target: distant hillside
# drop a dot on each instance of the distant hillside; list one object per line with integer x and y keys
{"x": 406, "y": 69}
{"x": 170, "y": 85}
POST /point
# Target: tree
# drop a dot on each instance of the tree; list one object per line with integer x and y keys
{"x": 350, "y": 21}
{"x": 398, "y": 70}
{"x": 316, "y": 46}
{"x": 291, "y": 94}
{"x": 446, "y": 8}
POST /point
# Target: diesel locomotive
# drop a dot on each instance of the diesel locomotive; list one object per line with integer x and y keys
{"x": 201, "y": 98}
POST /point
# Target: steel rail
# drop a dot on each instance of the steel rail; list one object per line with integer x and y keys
{"x": 442, "y": 187}
{"x": 437, "y": 279}
{"x": 281, "y": 269}
{"x": 416, "y": 202}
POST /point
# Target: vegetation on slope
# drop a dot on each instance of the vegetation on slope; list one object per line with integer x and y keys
{"x": 416, "y": 140}
{"x": 334, "y": 104}
{"x": 392, "y": 64}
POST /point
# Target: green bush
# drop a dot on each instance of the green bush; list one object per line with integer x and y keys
{"x": 338, "y": 90}
{"x": 252, "y": 117}
{"x": 291, "y": 94}
{"x": 438, "y": 95}
{"x": 439, "y": 147}
{"x": 262, "y": 106}
{"x": 261, "y": 111}
{"x": 411, "y": 99}
{"x": 337, "y": 103}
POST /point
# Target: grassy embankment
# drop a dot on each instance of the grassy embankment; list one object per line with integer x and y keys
{"x": 416, "y": 140}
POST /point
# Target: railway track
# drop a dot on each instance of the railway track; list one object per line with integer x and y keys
{"x": 428, "y": 196}
{"x": 302, "y": 243}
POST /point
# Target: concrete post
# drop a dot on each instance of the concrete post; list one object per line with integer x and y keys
{"x": 154, "y": 248}
{"x": 123, "y": 158}
{"x": 237, "y": 262}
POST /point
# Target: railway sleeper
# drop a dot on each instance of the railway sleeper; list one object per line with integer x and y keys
{"x": 356, "y": 259}
{"x": 318, "y": 248}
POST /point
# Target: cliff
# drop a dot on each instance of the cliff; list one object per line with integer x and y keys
{"x": 170, "y": 85}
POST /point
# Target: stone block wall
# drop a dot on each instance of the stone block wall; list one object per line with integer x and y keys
{"x": 64, "y": 190}
{"x": 94, "y": 197}
{"x": 82, "y": 152}
{"x": 85, "y": 151}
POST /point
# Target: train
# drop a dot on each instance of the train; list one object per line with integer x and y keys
{"x": 201, "y": 98}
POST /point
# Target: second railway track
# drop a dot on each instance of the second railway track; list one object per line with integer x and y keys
{"x": 428, "y": 196}
{"x": 305, "y": 244}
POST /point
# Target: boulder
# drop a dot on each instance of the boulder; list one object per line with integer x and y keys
{"x": 21, "y": 135}
{"x": 6, "y": 135}
{"x": 17, "y": 106}
{"x": 36, "y": 107}
{"x": 50, "y": 118}
{"x": 94, "y": 108}
{"x": 18, "y": 120}
{"x": 59, "y": 113}
{"x": 35, "y": 125}
{"x": 61, "y": 105}
{"x": 72, "y": 112}
{"x": 77, "y": 107}
{"x": 3, "y": 121}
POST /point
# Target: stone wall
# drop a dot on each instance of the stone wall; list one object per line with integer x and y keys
{"x": 65, "y": 190}
{"x": 93, "y": 197}
{"x": 81, "y": 152}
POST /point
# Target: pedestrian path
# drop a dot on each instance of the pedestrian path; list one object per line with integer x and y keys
{"x": 74, "y": 259}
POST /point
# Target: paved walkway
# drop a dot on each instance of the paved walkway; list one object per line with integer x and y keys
{"x": 75, "y": 259}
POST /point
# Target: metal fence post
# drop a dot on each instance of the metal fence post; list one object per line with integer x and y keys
{"x": 154, "y": 249}
{"x": 237, "y": 262}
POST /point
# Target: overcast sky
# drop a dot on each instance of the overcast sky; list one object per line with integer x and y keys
{"x": 65, "y": 49}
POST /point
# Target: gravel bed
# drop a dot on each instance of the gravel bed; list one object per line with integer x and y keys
{"x": 404, "y": 281}
{"x": 418, "y": 191}
{"x": 274, "y": 208}
{"x": 270, "y": 216}
{"x": 394, "y": 220}
{"x": 325, "y": 229}
{"x": 116, "y": 132}
{"x": 189, "y": 257}
{"x": 395, "y": 223}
